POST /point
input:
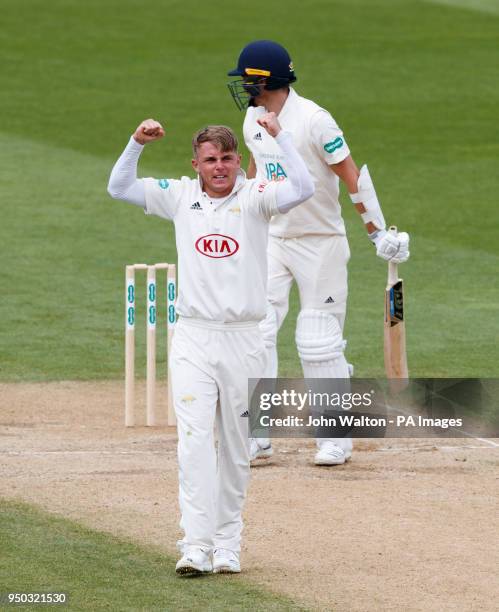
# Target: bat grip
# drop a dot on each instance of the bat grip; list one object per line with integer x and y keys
{"x": 393, "y": 274}
{"x": 392, "y": 267}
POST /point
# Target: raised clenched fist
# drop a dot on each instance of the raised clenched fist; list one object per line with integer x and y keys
{"x": 270, "y": 122}
{"x": 148, "y": 131}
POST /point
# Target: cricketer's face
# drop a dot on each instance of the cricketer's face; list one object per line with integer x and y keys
{"x": 217, "y": 169}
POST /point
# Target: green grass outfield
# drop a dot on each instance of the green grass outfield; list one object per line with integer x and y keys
{"x": 413, "y": 84}
{"x": 44, "y": 553}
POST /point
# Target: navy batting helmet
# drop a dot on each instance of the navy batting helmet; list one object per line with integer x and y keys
{"x": 261, "y": 63}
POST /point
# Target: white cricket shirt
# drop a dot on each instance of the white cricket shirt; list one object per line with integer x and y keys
{"x": 320, "y": 142}
{"x": 221, "y": 246}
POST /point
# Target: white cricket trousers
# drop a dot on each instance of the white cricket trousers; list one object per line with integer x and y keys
{"x": 318, "y": 264}
{"x": 210, "y": 366}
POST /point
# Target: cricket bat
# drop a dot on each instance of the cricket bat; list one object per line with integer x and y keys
{"x": 395, "y": 353}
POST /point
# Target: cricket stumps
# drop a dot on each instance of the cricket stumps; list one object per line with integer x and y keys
{"x": 151, "y": 314}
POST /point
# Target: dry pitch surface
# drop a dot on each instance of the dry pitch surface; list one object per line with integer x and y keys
{"x": 406, "y": 525}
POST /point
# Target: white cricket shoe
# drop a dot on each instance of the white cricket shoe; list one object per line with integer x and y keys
{"x": 195, "y": 560}
{"x": 225, "y": 561}
{"x": 330, "y": 454}
{"x": 257, "y": 452}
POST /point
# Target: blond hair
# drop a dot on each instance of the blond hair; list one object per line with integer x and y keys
{"x": 220, "y": 135}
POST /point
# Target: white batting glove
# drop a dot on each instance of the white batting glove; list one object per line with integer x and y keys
{"x": 389, "y": 247}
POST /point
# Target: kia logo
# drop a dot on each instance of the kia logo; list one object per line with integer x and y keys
{"x": 216, "y": 246}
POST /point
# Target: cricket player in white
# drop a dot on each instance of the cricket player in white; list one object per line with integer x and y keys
{"x": 310, "y": 244}
{"x": 221, "y": 225}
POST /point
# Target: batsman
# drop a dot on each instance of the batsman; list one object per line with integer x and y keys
{"x": 309, "y": 245}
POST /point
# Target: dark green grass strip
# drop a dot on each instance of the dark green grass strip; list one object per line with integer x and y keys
{"x": 41, "y": 552}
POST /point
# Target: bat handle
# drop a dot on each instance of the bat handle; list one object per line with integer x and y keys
{"x": 393, "y": 274}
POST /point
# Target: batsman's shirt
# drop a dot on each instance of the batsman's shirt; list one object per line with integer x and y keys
{"x": 320, "y": 142}
{"x": 221, "y": 245}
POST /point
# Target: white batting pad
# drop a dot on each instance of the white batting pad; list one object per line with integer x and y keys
{"x": 320, "y": 344}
